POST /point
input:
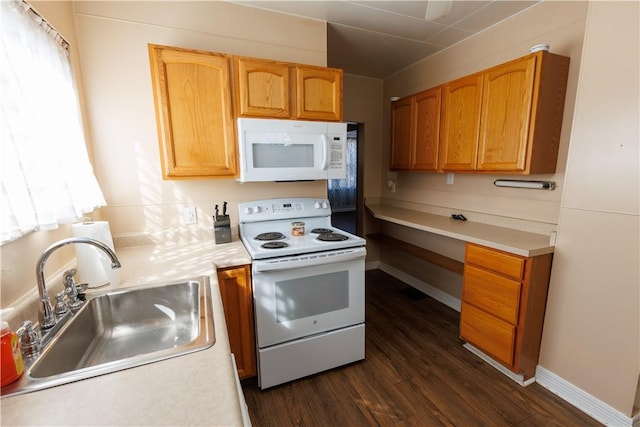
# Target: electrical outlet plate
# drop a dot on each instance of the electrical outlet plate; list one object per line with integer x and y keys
{"x": 449, "y": 178}
{"x": 189, "y": 215}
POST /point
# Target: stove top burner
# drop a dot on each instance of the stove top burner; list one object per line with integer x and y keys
{"x": 273, "y": 235}
{"x": 274, "y": 245}
{"x": 321, "y": 230}
{"x": 331, "y": 237}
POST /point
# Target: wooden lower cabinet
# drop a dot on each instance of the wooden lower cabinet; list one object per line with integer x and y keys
{"x": 494, "y": 336}
{"x": 503, "y": 303}
{"x": 237, "y": 300}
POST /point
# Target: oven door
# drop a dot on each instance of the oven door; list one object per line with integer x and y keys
{"x": 319, "y": 293}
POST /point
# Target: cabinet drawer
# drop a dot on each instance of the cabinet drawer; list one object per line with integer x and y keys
{"x": 492, "y": 293}
{"x": 488, "y": 333}
{"x": 503, "y": 263}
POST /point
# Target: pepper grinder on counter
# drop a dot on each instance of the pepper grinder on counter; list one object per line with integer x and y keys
{"x": 222, "y": 225}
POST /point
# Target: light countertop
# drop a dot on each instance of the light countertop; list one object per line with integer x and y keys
{"x": 505, "y": 239}
{"x": 194, "y": 389}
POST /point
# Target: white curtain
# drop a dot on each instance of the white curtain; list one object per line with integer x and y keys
{"x": 47, "y": 178}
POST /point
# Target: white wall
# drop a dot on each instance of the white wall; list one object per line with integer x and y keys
{"x": 362, "y": 99}
{"x": 113, "y": 39}
{"x": 592, "y": 326}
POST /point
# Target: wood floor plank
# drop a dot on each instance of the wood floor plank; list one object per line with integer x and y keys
{"x": 416, "y": 373}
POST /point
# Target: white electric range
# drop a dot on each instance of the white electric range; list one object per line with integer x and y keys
{"x": 308, "y": 288}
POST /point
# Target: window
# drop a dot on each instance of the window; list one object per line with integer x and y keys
{"x": 46, "y": 176}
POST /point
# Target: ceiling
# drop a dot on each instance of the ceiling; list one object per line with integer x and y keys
{"x": 378, "y": 38}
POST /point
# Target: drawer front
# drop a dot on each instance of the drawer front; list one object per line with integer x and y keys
{"x": 488, "y": 333}
{"x": 503, "y": 263}
{"x": 492, "y": 293}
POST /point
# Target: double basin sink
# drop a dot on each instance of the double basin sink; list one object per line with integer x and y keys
{"x": 123, "y": 329}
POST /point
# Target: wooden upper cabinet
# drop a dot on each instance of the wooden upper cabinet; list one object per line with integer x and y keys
{"x": 506, "y": 109}
{"x": 426, "y": 130}
{"x": 522, "y": 108}
{"x": 460, "y": 124}
{"x": 415, "y": 131}
{"x": 194, "y": 112}
{"x": 318, "y": 93}
{"x": 262, "y": 88}
{"x": 284, "y": 90}
{"x": 401, "y": 133}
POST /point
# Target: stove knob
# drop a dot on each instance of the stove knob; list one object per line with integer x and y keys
{"x": 248, "y": 210}
{"x": 257, "y": 209}
{"x": 316, "y": 205}
{"x": 324, "y": 205}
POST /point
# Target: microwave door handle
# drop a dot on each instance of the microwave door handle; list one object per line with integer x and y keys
{"x": 325, "y": 146}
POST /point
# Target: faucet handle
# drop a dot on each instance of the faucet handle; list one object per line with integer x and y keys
{"x": 29, "y": 339}
{"x": 75, "y": 302}
{"x": 61, "y": 307}
{"x": 68, "y": 276}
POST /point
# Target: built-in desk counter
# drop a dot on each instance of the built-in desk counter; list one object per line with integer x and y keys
{"x": 505, "y": 239}
{"x": 505, "y": 282}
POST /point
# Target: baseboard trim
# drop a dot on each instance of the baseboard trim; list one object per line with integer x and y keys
{"x": 372, "y": 265}
{"x": 518, "y": 378}
{"x": 428, "y": 289}
{"x": 582, "y": 400}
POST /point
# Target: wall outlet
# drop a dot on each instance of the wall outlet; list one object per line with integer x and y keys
{"x": 391, "y": 185}
{"x": 449, "y": 178}
{"x": 189, "y": 215}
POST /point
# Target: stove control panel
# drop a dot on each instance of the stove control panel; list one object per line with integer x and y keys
{"x": 284, "y": 208}
{"x": 265, "y": 210}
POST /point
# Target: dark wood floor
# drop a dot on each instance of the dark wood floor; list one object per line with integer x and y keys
{"x": 416, "y": 373}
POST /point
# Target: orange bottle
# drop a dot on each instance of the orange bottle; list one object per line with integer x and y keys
{"x": 10, "y": 355}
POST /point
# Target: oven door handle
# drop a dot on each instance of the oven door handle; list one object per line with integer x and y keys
{"x": 308, "y": 260}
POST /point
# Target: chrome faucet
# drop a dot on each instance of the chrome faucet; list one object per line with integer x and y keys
{"x": 46, "y": 315}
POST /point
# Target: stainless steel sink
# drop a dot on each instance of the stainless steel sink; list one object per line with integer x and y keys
{"x": 123, "y": 329}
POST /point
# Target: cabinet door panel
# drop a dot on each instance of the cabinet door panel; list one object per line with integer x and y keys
{"x": 506, "y": 112}
{"x": 262, "y": 88}
{"x": 492, "y": 293}
{"x": 192, "y": 96}
{"x": 460, "y": 123}
{"x": 488, "y": 333}
{"x": 426, "y": 126}
{"x": 319, "y": 93}
{"x": 500, "y": 262}
{"x": 401, "y": 135}
{"x": 235, "y": 291}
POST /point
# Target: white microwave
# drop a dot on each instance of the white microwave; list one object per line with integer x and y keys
{"x": 291, "y": 150}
